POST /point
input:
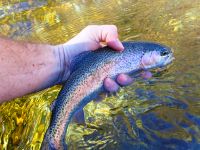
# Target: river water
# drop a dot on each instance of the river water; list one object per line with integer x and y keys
{"x": 159, "y": 113}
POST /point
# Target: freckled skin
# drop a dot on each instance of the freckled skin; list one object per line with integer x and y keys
{"x": 86, "y": 81}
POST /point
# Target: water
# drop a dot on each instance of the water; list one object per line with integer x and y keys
{"x": 160, "y": 113}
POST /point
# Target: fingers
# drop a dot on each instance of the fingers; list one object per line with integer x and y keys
{"x": 110, "y": 85}
{"x": 146, "y": 74}
{"x": 124, "y": 79}
{"x": 116, "y": 45}
{"x": 109, "y": 34}
{"x": 91, "y": 37}
{"x": 113, "y": 86}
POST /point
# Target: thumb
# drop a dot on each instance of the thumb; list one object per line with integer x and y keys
{"x": 109, "y": 34}
{"x": 116, "y": 44}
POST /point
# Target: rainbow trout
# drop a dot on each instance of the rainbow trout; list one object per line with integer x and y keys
{"x": 88, "y": 72}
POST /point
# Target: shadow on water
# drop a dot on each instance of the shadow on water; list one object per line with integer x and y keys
{"x": 159, "y": 113}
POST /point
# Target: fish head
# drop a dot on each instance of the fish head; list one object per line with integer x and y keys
{"x": 142, "y": 55}
{"x": 155, "y": 56}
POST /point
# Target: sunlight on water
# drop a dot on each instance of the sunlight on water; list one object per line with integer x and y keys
{"x": 160, "y": 113}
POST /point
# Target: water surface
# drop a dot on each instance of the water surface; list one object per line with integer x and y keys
{"x": 160, "y": 113}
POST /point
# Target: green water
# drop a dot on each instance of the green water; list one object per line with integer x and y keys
{"x": 170, "y": 95}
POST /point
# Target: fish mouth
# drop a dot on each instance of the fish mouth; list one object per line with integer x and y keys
{"x": 167, "y": 63}
{"x": 169, "y": 59}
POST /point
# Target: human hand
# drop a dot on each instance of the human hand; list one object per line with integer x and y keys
{"x": 90, "y": 38}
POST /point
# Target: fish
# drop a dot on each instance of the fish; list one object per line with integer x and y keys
{"x": 88, "y": 71}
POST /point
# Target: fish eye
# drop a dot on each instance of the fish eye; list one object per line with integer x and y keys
{"x": 163, "y": 53}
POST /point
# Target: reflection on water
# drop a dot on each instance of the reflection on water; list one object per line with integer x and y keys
{"x": 160, "y": 113}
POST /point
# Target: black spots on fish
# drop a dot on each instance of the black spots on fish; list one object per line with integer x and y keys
{"x": 76, "y": 62}
{"x": 55, "y": 131}
{"x": 49, "y": 133}
{"x": 142, "y": 46}
{"x": 59, "y": 120}
{"x": 56, "y": 116}
{"x": 62, "y": 109}
{"x": 57, "y": 136}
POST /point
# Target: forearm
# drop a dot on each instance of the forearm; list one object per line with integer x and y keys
{"x": 27, "y": 68}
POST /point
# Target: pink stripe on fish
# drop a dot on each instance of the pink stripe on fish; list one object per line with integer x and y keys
{"x": 88, "y": 85}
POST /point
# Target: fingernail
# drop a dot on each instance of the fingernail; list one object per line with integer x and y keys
{"x": 146, "y": 75}
{"x": 110, "y": 85}
{"x": 124, "y": 80}
{"x": 119, "y": 45}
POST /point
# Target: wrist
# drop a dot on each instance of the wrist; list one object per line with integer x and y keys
{"x": 63, "y": 63}
{"x": 64, "y": 54}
